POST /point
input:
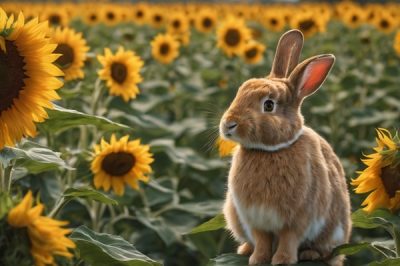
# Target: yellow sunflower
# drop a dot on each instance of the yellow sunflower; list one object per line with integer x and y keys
{"x": 178, "y": 24}
{"x": 55, "y": 16}
{"x": 72, "y": 47}
{"x": 307, "y": 23}
{"x": 156, "y": 18}
{"x": 225, "y": 147}
{"x": 27, "y": 77}
{"x": 354, "y": 17}
{"x": 91, "y": 16}
{"x": 120, "y": 162}
{"x": 274, "y": 20}
{"x": 122, "y": 72}
{"x": 165, "y": 48}
{"x": 382, "y": 176}
{"x": 253, "y": 52}
{"x": 46, "y": 236}
{"x": 385, "y": 22}
{"x": 140, "y": 13}
{"x": 232, "y": 36}
{"x": 206, "y": 20}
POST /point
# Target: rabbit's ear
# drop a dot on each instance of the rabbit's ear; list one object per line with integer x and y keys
{"x": 309, "y": 75}
{"x": 287, "y": 54}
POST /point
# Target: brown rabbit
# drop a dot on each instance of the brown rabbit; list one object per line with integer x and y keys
{"x": 287, "y": 197}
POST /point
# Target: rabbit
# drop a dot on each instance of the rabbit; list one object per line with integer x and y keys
{"x": 287, "y": 198}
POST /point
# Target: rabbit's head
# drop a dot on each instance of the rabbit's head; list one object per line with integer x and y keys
{"x": 265, "y": 113}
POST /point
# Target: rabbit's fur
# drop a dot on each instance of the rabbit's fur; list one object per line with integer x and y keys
{"x": 287, "y": 197}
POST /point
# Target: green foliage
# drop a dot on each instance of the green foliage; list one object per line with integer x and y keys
{"x": 105, "y": 249}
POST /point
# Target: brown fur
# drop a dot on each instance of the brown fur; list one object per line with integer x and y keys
{"x": 301, "y": 188}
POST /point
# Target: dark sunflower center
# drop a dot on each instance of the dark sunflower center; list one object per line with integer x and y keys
{"x": 306, "y": 25}
{"x": 54, "y": 19}
{"x": 232, "y": 37}
{"x": 12, "y": 75}
{"x": 67, "y": 55}
{"x": 384, "y": 24}
{"x": 176, "y": 24}
{"x": 354, "y": 18}
{"x": 118, "y": 163}
{"x": 207, "y": 23}
{"x": 139, "y": 14}
{"x": 391, "y": 180}
{"x": 273, "y": 21}
{"x": 110, "y": 15}
{"x": 93, "y": 17}
{"x": 157, "y": 18}
{"x": 251, "y": 53}
{"x": 119, "y": 72}
{"x": 164, "y": 49}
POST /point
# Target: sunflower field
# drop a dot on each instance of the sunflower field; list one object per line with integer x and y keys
{"x": 109, "y": 145}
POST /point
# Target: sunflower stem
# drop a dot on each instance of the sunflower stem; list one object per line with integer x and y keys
{"x": 60, "y": 204}
{"x": 97, "y": 92}
{"x": 146, "y": 205}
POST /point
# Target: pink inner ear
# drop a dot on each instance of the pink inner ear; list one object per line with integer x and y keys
{"x": 314, "y": 75}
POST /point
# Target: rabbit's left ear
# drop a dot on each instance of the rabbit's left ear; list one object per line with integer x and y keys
{"x": 309, "y": 75}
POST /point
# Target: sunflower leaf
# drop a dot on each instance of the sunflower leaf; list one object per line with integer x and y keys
{"x": 215, "y": 223}
{"x": 386, "y": 262}
{"x": 102, "y": 249}
{"x": 33, "y": 157}
{"x": 378, "y": 218}
{"x": 61, "y": 119}
{"x": 88, "y": 193}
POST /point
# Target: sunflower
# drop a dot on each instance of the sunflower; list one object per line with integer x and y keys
{"x": 382, "y": 176}
{"x": 46, "y": 236}
{"x": 178, "y": 24}
{"x": 165, "y": 48}
{"x": 122, "y": 72}
{"x": 110, "y": 15}
{"x": 307, "y": 23}
{"x": 72, "y": 47}
{"x": 206, "y": 20}
{"x": 91, "y": 16}
{"x": 354, "y": 17}
{"x": 55, "y": 17}
{"x": 156, "y": 18}
{"x": 232, "y": 36}
{"x": 140, "y": 13}
{"x": 225, "y": 147}
{"x": 274, "y": 20}
{"x": 253, "y": 52}
{"x": 385, "y": 22}
{"x": 119, "y": 162}
{"x": 27, "y": 77}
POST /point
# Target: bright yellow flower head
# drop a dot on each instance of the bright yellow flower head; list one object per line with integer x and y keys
{"x": 232, "y": 36}
{"x": 165, "y": 48}
{"x": 122, "y": 72}
{"x": 381, "y": 177}
{"x": 72, "y": 47}
{"x": 225, "y": 147}
{"x": 27, "y": 77}
{"x": 119, "y": 162}
{"x": 46, "y": 235}
{"x": 253, "y": 52}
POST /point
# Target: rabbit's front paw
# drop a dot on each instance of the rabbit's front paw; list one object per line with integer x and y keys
{"x": 283, "y": 258}
{"x": 245, "y": 249}
{"x": 309, "y": 254}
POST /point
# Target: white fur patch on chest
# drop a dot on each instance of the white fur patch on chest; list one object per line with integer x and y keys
{"x": 338, "y": 234}
{"x": 314, "y": 229}
{"x": 257, "y": 217}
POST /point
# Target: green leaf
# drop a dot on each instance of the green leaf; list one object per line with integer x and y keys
{"x": 88, "y": 193}
{"x": 387, "y": 262}
{"x": 61, "y": 119}
{"x": 33, "y": 157}
{"x": 107, "y": 250}
{"x": 218, "y": 222}
{"x": 378, "y": 218}
{"x": 350, "y": 249}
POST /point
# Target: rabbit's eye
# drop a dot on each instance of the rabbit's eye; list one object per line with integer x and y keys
{"x": 269, "y": 105}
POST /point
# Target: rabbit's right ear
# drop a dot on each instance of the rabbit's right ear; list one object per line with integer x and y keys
{"x": 287, "y": 54}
